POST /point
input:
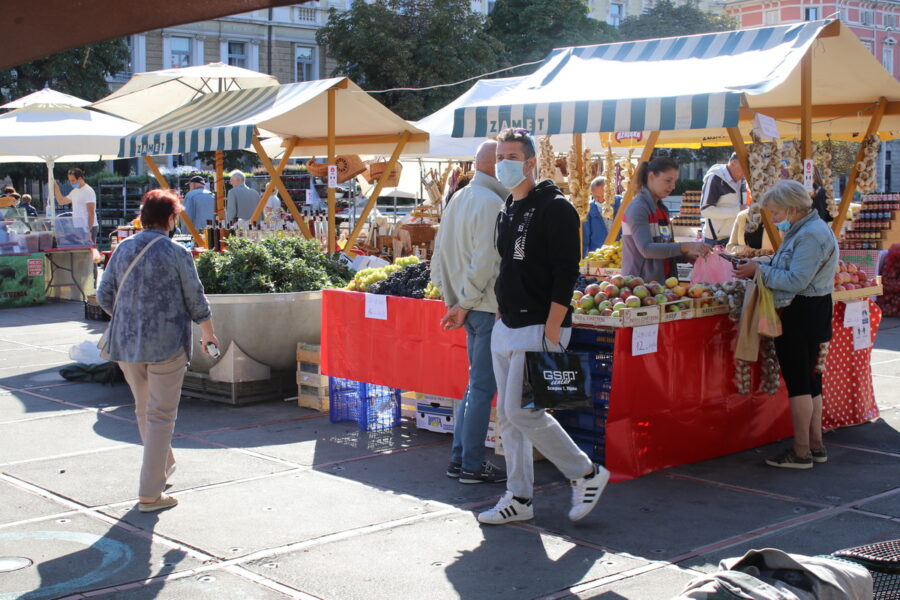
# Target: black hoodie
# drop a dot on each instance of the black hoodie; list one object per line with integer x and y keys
{"x": 539, "y": 245}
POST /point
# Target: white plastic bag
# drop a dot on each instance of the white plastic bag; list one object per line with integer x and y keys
{"x": 86, "y": 352}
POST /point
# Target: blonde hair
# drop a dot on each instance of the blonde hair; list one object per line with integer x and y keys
{"x": 787, "y": 193}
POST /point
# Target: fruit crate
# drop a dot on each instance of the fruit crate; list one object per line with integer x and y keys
{"x": 372, "y": 407}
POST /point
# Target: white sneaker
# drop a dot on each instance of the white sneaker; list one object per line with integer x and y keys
{"x": 507, "y": 510}
{"x": 586, "y": 491}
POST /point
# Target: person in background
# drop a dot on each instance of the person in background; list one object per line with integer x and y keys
{"x": 596, "y": 227}
{"x": 25, "y": 204}
{"x": 199, "y": 203}
{"x": 537, "y": 238}
{"x": 649, "y": 248}
{"x": 721, "y": 200}
{"x": 241, "y": 200}
{"x": 83, "y": 200}
{"x": 271, "y": 204}
{"x": 748, "y": 231}
{"x": 8, "y": 197}
{"x": 820, "y": 197}
{"x": 152, "y": 308}
{"x": 801, "y": 277}
{"x": 464, "y": 267}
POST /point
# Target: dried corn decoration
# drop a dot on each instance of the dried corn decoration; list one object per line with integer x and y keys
{"x": 826, "y": 159}
{"x": 579, "y": 189}
{"x": 866, "y": 172}
{"x": 548, "y": 159}
{"x": 609, "y": 191}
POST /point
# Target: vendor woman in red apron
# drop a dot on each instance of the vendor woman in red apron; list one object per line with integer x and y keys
{"x": 649, "y": 249}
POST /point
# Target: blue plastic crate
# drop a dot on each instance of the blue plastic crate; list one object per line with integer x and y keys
{"x": 601, "y": 387}
{"x": 593, "y": 444}
{"x": 593, "y": 338}
{"x": 372, "y": 407}
{"x": 588, "y": 420}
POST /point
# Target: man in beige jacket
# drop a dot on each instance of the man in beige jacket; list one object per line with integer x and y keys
{"x": 464, "y": 267}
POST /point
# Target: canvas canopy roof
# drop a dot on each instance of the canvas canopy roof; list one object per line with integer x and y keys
{"x": 692, "y": 87}
{"x": 227, "y": 121}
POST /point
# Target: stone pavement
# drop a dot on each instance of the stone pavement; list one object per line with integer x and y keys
{"x": 276, "y": 502}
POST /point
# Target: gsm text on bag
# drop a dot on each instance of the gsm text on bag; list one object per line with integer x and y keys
{"x": 643, "y": 339}
{"x": 559, "y": 381}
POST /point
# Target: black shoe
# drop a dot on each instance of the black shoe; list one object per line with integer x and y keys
{"x": 789, "y": 460}
{"x": 488, "y": 473}
{"x": 454, "y": 469}
{"x": 820, "y": 455}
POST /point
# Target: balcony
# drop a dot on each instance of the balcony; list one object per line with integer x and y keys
{"x": 306, "y": 16}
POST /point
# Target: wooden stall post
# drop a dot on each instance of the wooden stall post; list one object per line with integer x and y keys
{"x": 646, "y": 153}
{"x": 198, "y": 239}
{"x": 806, "y": 105}
{"x": 220, "y": 185}
{"x": 332, "y": 234}
{"x": 578, "y": 143}
{"x": 276, "y": 179}
{"x": 740, "y": 149}
{"x": 270, "y": 187}
{"x": 373, "y": 196}
{"x": 874, "y": 123}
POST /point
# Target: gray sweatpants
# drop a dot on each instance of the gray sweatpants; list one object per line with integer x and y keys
{"x": 522, "y": 429}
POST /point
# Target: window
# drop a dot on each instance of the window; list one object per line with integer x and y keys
{"x": 887, "y": 57}
{"x": 887, "y": 156}
{"x": 867, "y": 17}
{"x": 237, "y": 54}
{"x": 305, "y": 61}
{"x": 811, "y": 13}
{"x": 180, "y": 51}
{"x": 888, "y": 21}
{"x": 845, "y": 14}
{"x": 615, "y": 15}
{"x": 772, "y": 17}
{"x": 868, "y": 46}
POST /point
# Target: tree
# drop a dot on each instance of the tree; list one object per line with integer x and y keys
{"x": 666, "y": 19}
{"x": 409, "y": 43}
{"x": 530, "y": 29}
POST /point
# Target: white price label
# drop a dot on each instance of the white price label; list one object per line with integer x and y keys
{"x": 376, "y": 307}
{"x": 862, "y": 336}
{"x": 643, "y": 339}
{"x": 765, "y": 127}
{"x": 332, "y": 176}
{"x": 853, "y": 313}
{"x": 808, "y": 168}
{"x": 306, "y": 195}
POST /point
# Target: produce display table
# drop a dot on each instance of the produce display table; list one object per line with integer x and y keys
{"x": 71, "y": 273}
{"x": 675, "y": 406}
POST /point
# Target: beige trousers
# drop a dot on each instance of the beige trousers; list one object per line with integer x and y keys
{"x": 157, "y": 390}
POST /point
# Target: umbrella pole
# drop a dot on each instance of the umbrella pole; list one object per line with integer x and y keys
{"x": 332, "y": 245}
{"x": 51, "y": 192}
{"x": 626, "y": 200}
{"x": 220, "y": 184}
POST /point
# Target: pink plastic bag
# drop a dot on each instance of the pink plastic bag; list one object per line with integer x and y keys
{"x": 712, "y": 269}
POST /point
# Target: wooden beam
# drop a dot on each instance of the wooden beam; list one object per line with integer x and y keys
{"x": 276, "y": 178}
{"x": 646, "y": 153}
{"x": 220, "y": 185}
{"x": 360, "y": 140}
{"x": 806, "y": 105}
{"x": 373, "y": 196}
{"x": 740, "y": 149}
{"x": 578, "y": 145}
{"x": 198, "y": 239}
{"x": 874, "y": 123}
{"x": 821, "y": 111}
{"x": 270, "y": 187}
{"x": 332, "y": 233}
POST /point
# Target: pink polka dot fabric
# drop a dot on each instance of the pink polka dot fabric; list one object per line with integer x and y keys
{"x": 848, "y": 395}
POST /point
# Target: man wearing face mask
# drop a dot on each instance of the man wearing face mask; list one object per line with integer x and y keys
{"x": 539, "y": 246}
{"x": 83, "y": 200}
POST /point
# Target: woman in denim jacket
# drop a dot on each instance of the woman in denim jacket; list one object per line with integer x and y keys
{"x": 801, "y": 277}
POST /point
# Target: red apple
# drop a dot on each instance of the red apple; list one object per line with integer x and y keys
{"x": 617, "y": 280}
{"x": 648, "y": 301}
{"x": 592, "y": 290}
{"x": 612, "y": 291}
{"x": 641, "y": 291}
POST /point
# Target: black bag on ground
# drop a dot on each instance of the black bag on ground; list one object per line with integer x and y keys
{"x": 557, "y": 380}
{"x": 106, "y": 373}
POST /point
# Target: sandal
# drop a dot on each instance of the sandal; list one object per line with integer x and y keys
{"x": 164, "y": 501}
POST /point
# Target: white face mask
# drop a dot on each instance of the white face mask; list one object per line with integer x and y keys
{"x": 510, "y": 173}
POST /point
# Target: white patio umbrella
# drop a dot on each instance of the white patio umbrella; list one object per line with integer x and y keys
{"x": 148, "y": 96}
{"x": 46, "y": 130}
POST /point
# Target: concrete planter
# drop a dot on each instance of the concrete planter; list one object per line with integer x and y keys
{"x": 267, "y": 327}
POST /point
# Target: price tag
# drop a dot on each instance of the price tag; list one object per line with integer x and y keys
{"x": 853, "y": 313}
{"x": 643, "y": 339}
{"x": 332, "y": 176}
{"x": 376, "y": 307}
{"x": 808, "y": 169}
{"x": 765, "y": 127}
{"x": 862, "y": 336}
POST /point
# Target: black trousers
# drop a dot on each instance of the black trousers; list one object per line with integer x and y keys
{"x": 806, "y": 324}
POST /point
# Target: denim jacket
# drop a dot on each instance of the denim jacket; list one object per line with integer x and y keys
{"x": 155, "y": 307}
{"x": 805, "y": 263}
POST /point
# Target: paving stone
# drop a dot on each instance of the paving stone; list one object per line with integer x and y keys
{"x": 208, "y": 585}
{"x": 660, "y": 584}
{"x": 877, "y": 435}
{"x": 889, "y": 505}
{"x": 81, "y": 554}
{"x": 15, "y": 406}
{"x": 450, "y": 557}
{"x": 19, "y": 505}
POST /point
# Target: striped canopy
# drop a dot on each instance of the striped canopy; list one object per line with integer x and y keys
{"x": 228, "y": 121}
{"x": 683, "y": 83}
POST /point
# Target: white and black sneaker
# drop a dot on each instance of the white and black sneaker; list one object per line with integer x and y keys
{"x": 586, "y": 491}
{"x": 507, "y": 510}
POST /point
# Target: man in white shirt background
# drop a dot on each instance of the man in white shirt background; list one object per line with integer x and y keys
{"x": 83, "y": 200}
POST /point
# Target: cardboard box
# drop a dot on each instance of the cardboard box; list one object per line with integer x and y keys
{"x": 409, "y": 402}
{"x": 493, "y": 432}
{"x": 436, "y": 414}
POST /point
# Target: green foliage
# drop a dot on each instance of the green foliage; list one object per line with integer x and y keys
{"x": 410, "y": 43}
{"x": 231, "y": 159}
{"x": 666, "y": 19}
{"x": 683, "y": 185}
{"x": 273, "y": 265}
{"x": 530, "y": 29}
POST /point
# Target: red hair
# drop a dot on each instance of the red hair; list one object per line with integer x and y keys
{"x": 158, "y": 206}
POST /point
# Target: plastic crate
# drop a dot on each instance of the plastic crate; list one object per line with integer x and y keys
{"x": 601, "y": 361}
{"x": 372, "y": 407}
{"x": 93, "y": 312}
{"x": 592, "y": 338}
{"x": 601, "y": 388}
{"x": 588, "y": 420}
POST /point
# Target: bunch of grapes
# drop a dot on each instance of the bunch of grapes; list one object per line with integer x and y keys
{"x": 410, "y": 282}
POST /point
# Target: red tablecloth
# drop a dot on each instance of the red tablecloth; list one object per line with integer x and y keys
{"x": 675, "y": 406}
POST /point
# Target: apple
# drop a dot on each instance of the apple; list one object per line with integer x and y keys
{"x": 680, "y": 290}
{"x": 625, "y": 293}
{"x": 851, "y": 268}
{"x": 587, "y": 303}
{"x": 673, "y": 308}
{"x": 606, "y": 312}
{"x": 707, "y": 293}
{"x": 628, "y": 280}
{"x": 594, "y": 311}
{"x": 636, "y": 281}
{"x": 839, "y": 288}
{"x": 655, "y": 288}
{"x": 633, "y": 302}
{"x": 579, "y": 311}
{"x": 604, "y": 305}
{"x": 695, "y": 291}
{"x": 603, "y": 285}
{"x": 661, "y": 298}
{"x": 862, "y": 276}
{"x": 683, "y": 306}
{"x": 612, "y": 291}
{"x": 648, "y": 301}
{"x": 619, "y": 306}
{"x": 672, "y": 296}
{"x": 617, "y": 280}
{"x": 616, "y": 314}
{"x": 671, "y": 282}
{"x": 854, "y": 278}
{"x": 641, "y": 291}
{"x": 576, "y": 295}
{"x": 592, "y": 290}
{"x": 600, "y": 297}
